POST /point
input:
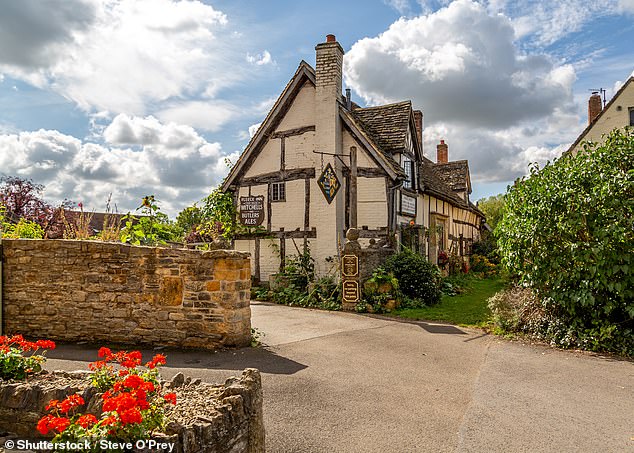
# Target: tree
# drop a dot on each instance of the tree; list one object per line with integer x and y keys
{"x": 493, "y": 209}
{"x": 189, "y": 218}
{"x": 568, "y": 233}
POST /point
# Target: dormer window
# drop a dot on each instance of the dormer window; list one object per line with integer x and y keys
{"x": 408, "y": 166}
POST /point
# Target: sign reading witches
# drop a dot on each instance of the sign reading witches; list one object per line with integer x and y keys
{"x": 252, "y": 210}
{"x": 329, "y": 183}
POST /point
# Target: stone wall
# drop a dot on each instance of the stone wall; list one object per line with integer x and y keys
{"x": 231, "y": 423}
{"x": 372, "y": 257}
{"x": 117, "y": 293}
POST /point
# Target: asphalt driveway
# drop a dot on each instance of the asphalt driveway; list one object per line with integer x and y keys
{"x": 342, "y": 382}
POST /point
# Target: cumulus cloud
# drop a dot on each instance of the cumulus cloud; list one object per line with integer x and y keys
{"x": 498, "y": 106}
{"x": 463, "y": 62}
{"x": 116, "y": 56}
{"x": 140, "y": 156}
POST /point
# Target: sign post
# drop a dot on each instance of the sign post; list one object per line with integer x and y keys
{"x": 351, "y": 293}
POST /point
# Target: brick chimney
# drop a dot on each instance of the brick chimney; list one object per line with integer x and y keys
{"x": 418, "y": 120}
{"x": 442, "y": 153}
{"x": 594, "y": 106}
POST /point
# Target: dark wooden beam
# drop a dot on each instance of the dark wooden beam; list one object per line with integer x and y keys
{"x": 269, "y": 208}
{"x": 296, "y": 234}
{"x": 291, "y": 132}
{"x": 366, "y": 172}
{"x": 282, "y": 251}
{"x": 461, "y": 222}
{"x": 283, "y": 154}
{"x": 306, "y": 209}
{"x": 278, "y": 176}
{"x": 256, "y": 258}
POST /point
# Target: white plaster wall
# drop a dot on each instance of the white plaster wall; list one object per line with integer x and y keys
{"x": 299, "y": 151}
{"x": 302, "y": 112}
{"x": 289, "y": 214}
{"x": 268, "y": 160}
{"x": 372, "y": 202}
{"x": 612, "y": 118}
{"x": 363, "y": 158}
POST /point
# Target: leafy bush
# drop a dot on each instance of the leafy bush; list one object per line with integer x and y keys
{"x": 568, "y": 233}
{"x": 480, "y": 264}
{"x": 153, "y": 228}
{"x": 417, "y": 277}
{"x": 14, "y": 364}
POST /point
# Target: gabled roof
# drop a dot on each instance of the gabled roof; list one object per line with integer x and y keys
{"x": 382, "y": 158}
{"x": 388, "y": 124}
{"x": 596, "y": 119}
{"x": 305, "y": 73}
{"x": 455, "y": 174}
{"x": 432, "y": 184}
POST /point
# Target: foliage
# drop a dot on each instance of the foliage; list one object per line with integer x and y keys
{"x": 493, "y": 209}
{"x": 466, "y": 308}
{"x": 456, "y": 264}
{"x": 133, "y": 403}
{"x": 152, "y": 228}
{"x": 481, "y": 265}
{"x": 76, "y": 224}
{"x": 111, "y": 229}
{"x": 568, "y": 233}
{"x": 23, "y": 229}
{"x": 13, "y": 362}
{"x": 380, "y": 293}
{"x": 300, "y": 269}
{"x": 219, "y": 216}
{"x": 22, "y": 199}
{"x": 189, "y": 219}
{"x": 487, "y": 246}
{"x": 256, "y": 337}
{"x": 417, "y": 277}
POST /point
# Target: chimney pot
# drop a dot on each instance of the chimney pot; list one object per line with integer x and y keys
{"x": 442, "y": 153}
{"x": 331, "y": 38}
{"x": 594, "y": 106}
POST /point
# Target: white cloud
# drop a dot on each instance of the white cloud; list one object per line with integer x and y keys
{"x": 260, "y": 59}
{"x": 253, "y": 129}
{"x": 207, "y": 115}
{"x": 116, "y": 56}
{"x": 495, "y": 105}
{"x": 626, "y": 6}
{"x": 143, "y": 156}
{"x": 461, "y": 61}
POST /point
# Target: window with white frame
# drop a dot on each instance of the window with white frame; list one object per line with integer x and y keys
{"x": 278, "y": 191}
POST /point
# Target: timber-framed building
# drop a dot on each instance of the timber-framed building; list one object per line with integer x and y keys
{"x": 320, "y": 164}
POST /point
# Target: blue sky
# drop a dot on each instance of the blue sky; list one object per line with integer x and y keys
{"x": 151, "y": 96}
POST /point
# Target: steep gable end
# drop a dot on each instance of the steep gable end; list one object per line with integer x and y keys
{"x": 304, "y": 74}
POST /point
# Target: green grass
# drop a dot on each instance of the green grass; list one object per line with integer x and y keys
{"x": 466, "y": 309}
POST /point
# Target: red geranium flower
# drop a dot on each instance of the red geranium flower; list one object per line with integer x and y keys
{"x": 85, "y": 421}
{"x": 170, "y": 398}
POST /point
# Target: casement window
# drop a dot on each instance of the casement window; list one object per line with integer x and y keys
{"x": 408, "y": 166}
{"x": 631, "y": 116}
{"x": 278, "y": 191}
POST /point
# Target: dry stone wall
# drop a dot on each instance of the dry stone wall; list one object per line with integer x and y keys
{"x": 231, "y": 423}
{"x": 97, "y": 292}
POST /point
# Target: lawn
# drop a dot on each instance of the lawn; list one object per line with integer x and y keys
{"x": 466, "y": 309}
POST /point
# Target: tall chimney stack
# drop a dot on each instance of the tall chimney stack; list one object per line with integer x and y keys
{"x": 418, "y": 120}
{"x": 594, "y": 106}
{"x": 442, "y": 153}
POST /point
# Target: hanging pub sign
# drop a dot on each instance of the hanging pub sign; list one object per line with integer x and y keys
{"x": 329, "y": 183}
{"x": 252, "y": 210}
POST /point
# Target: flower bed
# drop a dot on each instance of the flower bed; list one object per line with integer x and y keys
{"x": 207, "y": 418}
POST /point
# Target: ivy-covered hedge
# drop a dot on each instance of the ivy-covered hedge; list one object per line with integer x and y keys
{"x": 568, "y": 233}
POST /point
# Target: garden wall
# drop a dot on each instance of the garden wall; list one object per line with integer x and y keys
{"x": 117, "y": 293}
{"x": 207, "y": 418}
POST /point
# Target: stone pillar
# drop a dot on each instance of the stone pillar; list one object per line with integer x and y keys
{"x": 351, "y": 290}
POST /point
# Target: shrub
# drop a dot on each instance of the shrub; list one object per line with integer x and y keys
{"x": 417, "y": 277}
{"x": 133, "y": 403}
{"x": 480, "y": 264}
{"x": 378, "y": 292}
{"x": 14, "y": 364}
{"x": 568, "y": 233}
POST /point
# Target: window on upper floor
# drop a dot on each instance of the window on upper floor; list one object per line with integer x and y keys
{"x": 278, "y": 191}
{"x": 631, "y": 116}
{"x": 408, "y": 166}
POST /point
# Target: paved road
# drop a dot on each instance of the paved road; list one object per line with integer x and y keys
{"x": 340, "y": 382}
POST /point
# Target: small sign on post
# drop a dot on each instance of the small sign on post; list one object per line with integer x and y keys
{"x": 351, "y": 293}
{"x": 252, "y": 210}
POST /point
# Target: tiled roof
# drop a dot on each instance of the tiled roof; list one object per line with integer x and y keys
{"x": 431, "y": 183}
{"x": 455, "y": 174}
{"x": 388, "y": 124}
